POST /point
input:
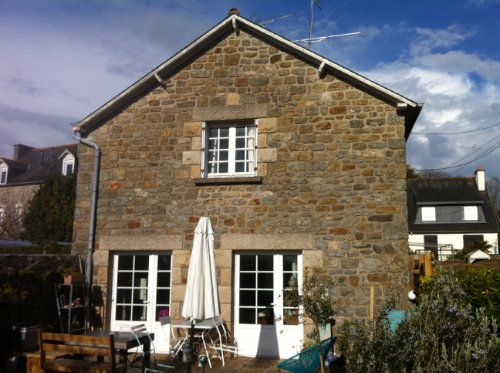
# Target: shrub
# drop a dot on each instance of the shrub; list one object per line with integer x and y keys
{"x": 443, "y": 334}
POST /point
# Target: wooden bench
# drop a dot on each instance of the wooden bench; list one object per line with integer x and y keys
{"x": 81, "y": 353}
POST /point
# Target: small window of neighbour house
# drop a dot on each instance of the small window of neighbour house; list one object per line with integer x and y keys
{"x": 2, "y": 211}
{"x": 68, "y": 165}
{"x": 230, "y": 149}
{"x": 470, "y": 213}
{"x": 3, "y": 175}
{"x": 429, "y": 213}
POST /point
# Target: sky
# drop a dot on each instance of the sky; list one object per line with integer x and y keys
{"x": 62, "y": 59}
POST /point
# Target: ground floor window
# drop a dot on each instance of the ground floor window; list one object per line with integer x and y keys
{"x": 141, "y": 287}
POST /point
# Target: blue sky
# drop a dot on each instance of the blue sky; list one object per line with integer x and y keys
{"x": 62, "y": 59}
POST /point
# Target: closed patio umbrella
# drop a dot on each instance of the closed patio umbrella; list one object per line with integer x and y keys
{"x": 201, "y": 300}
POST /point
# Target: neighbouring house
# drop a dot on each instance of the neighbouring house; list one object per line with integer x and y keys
{"x": 22, "y": 175}
{"x": 298, "y": 162}
{"x": 447, "y": 214}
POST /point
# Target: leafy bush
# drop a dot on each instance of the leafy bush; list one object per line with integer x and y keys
{"x": 443, "y": 334}
{"x": 481, "y": 288}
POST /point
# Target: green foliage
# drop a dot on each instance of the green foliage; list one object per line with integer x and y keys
{"x": 443, "y": 334}
{"x": 313, "y": 297}
{"x": 410, "y": 172}
{"x": 481, "y": 288}
{"x": 368, "y": 344}
{"x": 50, "y": 213}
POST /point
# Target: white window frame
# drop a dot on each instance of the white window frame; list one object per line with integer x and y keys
{"x": 428, "y": 213}
{"x": 4, "y": 172}
{"x": 68, "y": 160}
{"x": 205, "y": 172}
{"x": 470, "y": 213}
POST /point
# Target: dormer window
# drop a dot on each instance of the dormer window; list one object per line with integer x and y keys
{"x": 470, "y": 213}
{"x": 3, "y": 174}
{"x": 428, "y": 213}
{"x": 68, "y": 165}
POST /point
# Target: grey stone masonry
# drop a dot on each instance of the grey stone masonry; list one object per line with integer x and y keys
{"x": 331, "y": 160}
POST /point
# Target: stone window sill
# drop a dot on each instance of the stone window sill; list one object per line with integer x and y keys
{"x": 228, "y": 180}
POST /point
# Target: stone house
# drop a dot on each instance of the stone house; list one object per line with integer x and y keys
{"x": 299, "y": 163}
{"x": 21, "y": 176}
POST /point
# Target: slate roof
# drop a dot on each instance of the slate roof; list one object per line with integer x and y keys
{"x": 37, "y": 164}
{"x": 234, "y": 23}
{"x": 449, "y": 191}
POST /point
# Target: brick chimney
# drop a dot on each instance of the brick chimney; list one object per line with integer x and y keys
{"x": 20, "y": 151}
{"x": 480, "y": 180}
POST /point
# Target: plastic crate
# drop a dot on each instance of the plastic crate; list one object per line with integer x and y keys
{"x": 25, "y": 337}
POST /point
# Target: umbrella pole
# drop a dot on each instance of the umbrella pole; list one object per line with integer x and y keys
{"x": 191, "y": 336}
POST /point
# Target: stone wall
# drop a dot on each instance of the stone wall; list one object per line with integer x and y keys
{"x": 331, "y": 157}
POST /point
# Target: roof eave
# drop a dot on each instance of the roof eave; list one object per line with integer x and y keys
{"x": 234, "y": 23}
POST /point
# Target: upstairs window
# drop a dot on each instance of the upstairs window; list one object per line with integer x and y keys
{"x": 68, "y": 165}
{"x": 230, "y": 149}
{"x": 470, "y": 213}
{"x": 3, "y": 174}
{"x": 428, "y": 213}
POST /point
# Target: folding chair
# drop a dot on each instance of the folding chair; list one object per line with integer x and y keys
{"x": 156, "y": 367}
{"x": 175, "y": 342}
{"x": 223, "y": 342}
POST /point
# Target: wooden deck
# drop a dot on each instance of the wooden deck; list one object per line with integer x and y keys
{"x": 235, "y": 364}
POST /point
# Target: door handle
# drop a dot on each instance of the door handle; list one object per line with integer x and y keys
{"x": 145, "y": 301}
{"x": 272, "y": 304}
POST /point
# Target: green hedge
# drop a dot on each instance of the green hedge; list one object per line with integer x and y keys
{"x": 52, "y": 249}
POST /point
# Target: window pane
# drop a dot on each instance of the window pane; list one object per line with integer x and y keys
{"x": 239, "y": 167}
{"x": 125, "y": 262}
{"x": 163, "y": 296}
{"x": 164, "y": 262}
{"x": 124, "y": 296}
{"x": 265, "y": 263}
{"x": 212, "y": 132}
{"x": 291, "y": 317}
{"x": 163, "y": 279}
{"x": 470, "y": 213}
{"x": 265, "y": 316}
{"x": 240, "y": 143}
{"x": 224, "y": 132}
{"x": 290, "y": 280}
{"x": 224, "y": 144}
{"x": 247, "y": 262}
{"x": 223, "y": 155}
{"x": 428, "y": 213}
{"x": 247, "y": 280}
{"x": 290, "y": 262}
{"x": 223, "y": 168}
{"x": 142, "y": 262}
{"x": 140, "y": 296}
{"x": 139, "y": 313}
{"x": 247, "y": 316}
{"x": 265, "y": 298}
{"x": 247, "y": 297}
{"x": 123, "y": 313}
{"x": 240, "y": 155}
{"x": 240, "y": 131}
{"x": 141, "y": 279}
{"x": 124, "y": 279}
{"x": 265, "y": 281}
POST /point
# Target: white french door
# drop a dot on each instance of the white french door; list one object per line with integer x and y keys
{"x": 264, "y": 324}
{"x": 141, "y": 293}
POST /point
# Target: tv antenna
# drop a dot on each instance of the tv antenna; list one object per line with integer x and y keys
{"x": 260, "y": 22}
{"x": 319, "y": 39}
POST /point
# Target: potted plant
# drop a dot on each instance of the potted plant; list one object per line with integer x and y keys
{"x": 72, "y": 276}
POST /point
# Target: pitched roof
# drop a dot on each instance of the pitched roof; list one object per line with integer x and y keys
{"x": 234, "y": 23}
{"x": 449, "y": 191}
{"x": 37, "y": 164}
